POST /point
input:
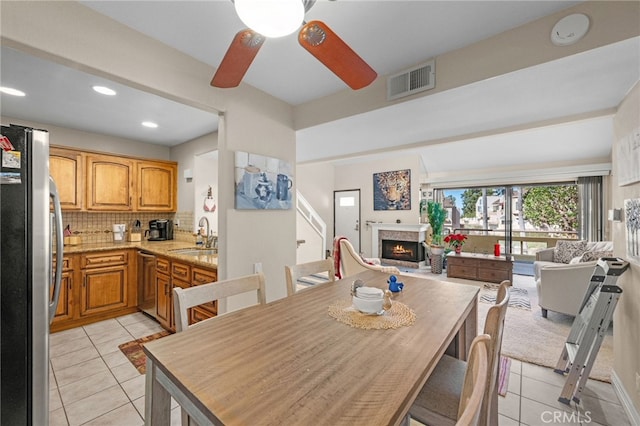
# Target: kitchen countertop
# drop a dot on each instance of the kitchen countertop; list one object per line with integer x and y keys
{"x": 161, "y": 248}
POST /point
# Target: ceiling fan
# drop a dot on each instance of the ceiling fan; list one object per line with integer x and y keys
{"x": 315, "y": 36}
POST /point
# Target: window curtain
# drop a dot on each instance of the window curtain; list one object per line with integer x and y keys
{"x": 590, "y": 202}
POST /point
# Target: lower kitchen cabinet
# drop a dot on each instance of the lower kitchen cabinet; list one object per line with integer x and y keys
{"x": 207, "y": 310}
{"x": 96, "y": 286}
{"x": 64, "y": 310}
{"x": 163, "y": 299}
{"x": 104, "y": 289}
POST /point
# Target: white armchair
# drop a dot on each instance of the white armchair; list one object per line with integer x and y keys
{"x": 562, "y": 286}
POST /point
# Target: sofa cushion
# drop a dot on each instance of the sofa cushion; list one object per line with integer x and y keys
{"x": 590, "y": 256}
{"x": 567, "y": 250}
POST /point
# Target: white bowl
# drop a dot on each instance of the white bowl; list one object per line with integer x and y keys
{"x": 368, "y": 306}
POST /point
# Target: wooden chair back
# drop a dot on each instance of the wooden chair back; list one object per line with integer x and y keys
{"x": 294, "y": 273}
{"x": 185, "y": 298}
{"x": 494, "y": 327}
{"x": 475, "y": 382}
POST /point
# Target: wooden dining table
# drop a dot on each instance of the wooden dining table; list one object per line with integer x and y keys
{"x": 290, "y": 363}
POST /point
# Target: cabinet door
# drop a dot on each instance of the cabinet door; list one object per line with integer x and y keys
{"x": 157, "y": 186}
{"x": 104, "y": 289}
{"x": 206, "y": 310}
{"x": 65, "y": 167}
{"x": 110, "y": 183}
{"x": 65, "y": 301}
{"x": 163, "y": 300}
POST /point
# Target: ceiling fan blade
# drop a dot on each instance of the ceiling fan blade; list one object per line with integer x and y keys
{"x": 336, "y": 55}
{"x": 236, "y": 61}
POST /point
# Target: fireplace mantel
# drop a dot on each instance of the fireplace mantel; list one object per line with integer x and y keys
{"x": 377, "y": 227}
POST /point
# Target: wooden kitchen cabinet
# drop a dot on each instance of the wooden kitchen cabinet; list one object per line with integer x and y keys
{"x": 105, "y": 283}
{"x": 94, "y": 181}
{"x": 163, "y": 299}
{"x": 157, "y": 186}
{"x": 207, "y": 310}
{"x": 110, "y": 183}
{"x": 67, "y": 170}
{"x": 64, "y": 311}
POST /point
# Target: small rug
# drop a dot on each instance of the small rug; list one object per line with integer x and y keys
{"x": 134, "y": 353}
{"x": 503, "y": 375}
{"x": 518, "y": 297}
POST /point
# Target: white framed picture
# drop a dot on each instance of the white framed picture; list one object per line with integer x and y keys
{"x": 632, "y": 222}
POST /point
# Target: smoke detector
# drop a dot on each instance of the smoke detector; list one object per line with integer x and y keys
{"x": 570, "y": 29}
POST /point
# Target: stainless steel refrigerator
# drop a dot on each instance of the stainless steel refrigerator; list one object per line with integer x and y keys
{"x": 27, "y": 301}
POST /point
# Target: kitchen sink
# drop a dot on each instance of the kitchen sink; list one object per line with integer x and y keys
{"x": 195, "y": 252}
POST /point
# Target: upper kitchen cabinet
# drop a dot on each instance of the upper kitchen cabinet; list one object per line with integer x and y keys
{"x": 110, "y": 183}
{"x": 66, "y": 169}
{"x": 157, "y": 186}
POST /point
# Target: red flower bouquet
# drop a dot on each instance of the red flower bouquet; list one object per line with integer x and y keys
{"x": 455, "y": 240}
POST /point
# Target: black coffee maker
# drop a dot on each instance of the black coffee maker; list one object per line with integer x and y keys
{"x": 160, "y": 230}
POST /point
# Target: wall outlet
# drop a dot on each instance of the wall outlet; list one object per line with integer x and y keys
{"x": 257, "y": 267}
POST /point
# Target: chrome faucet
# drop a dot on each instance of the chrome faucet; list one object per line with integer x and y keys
{"x": 209, "y": 236}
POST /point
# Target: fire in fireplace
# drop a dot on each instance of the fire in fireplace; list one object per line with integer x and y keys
{"x": 410, "y": 251}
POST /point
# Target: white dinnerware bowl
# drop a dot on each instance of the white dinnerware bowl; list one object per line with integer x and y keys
{"x": 368, "y": 306}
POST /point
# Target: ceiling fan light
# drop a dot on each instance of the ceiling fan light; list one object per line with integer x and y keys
{"x": 271, "y": 18}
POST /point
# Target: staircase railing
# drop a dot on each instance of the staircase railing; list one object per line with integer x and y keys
{"x": 313, "y": 218}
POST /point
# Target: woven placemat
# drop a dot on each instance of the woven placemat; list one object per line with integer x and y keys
{"x": 400, "y": 315}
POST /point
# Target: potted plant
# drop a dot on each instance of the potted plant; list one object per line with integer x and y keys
{"x": 456, "y": 241}
{"x": 437, "y": 215}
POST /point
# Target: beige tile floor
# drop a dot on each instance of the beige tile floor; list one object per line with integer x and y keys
{"x": 93, "y": 383}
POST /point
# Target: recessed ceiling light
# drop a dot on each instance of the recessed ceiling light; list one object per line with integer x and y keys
{"x": 104, "y": 90}
{"x": 149, "y": 124}
{"x": 11, "y": 91}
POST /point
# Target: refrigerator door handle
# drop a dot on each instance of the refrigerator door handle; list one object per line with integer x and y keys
{"x": 53, "y": 193}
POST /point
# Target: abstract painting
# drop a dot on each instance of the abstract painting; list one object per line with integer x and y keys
{"x": 392, "y": 190}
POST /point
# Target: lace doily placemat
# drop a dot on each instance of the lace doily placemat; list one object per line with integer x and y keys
{"x": 400, "y": 315}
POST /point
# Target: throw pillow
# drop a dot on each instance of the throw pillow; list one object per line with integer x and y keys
{"x": 590, "y": 256}
{"x": 567, "y": 250}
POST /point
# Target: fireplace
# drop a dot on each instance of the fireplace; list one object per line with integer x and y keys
{"x": 403, "y": 251}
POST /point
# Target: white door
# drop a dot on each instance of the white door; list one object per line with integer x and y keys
{"x": 346, "y": 215}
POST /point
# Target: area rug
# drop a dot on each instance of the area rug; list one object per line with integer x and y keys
{"x": 530, "y": 338}
{"x": 518, "y": 297}
{"x": 134, "y": 353}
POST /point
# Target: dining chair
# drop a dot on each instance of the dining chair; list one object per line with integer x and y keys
{"x": 185, "y": 298}
{"x": 475, "y": 382}
{"x": 351, "y": 262}
{"x": 437, "y": 402}
{"x": 302, "y": 270}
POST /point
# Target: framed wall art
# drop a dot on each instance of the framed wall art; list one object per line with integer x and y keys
{"x": 262, "y": 183}
{"x": 392, "y": 190}
{"x": 628, "y": 158}
{"x": 632, "y": 222}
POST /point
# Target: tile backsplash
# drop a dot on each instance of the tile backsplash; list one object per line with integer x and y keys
{"x": 98, "y": 227}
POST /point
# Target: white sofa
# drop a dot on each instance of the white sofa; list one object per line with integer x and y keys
{"x": 562, "y": 277}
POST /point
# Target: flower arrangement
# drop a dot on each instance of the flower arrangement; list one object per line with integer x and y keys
{"x": 455, "y": 240}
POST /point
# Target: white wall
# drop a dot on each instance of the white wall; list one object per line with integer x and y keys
{"x": 185, "y": 154}
{"x": 205, "y": 177}
{"x": 88, "y": 141}
{"x": 360, "y": 176}
{"x": 626, "y": 330}
{"x": 316, "y": 184}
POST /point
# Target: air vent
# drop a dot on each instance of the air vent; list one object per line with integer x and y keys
{"x": 413, "y": 80}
